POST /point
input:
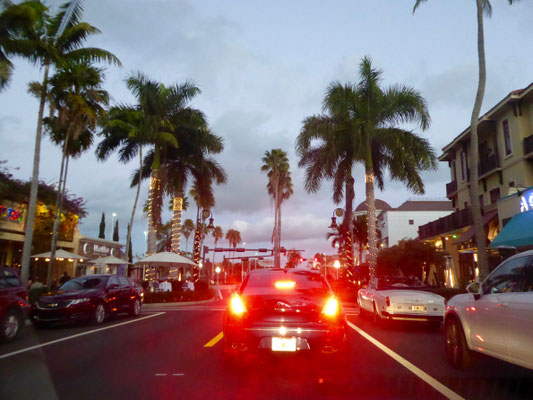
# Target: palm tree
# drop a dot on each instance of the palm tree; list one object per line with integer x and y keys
{"x": 50, "y": 41}
{"x": 218, "y": 234}
{"x": 360, "y": 233}
{"x": 15, "y": 19}
{"x": 482, "y": 6}
{"x": 276, "y": 164}
{"x": 188, "y": 228}
{"x": 233, "y": 236}
{"x": 77, "y": 103}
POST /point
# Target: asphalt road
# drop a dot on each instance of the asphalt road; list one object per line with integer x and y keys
{"x": 163, "y": 355}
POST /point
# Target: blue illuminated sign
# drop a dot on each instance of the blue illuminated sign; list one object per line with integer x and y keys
{"x": 526, "y": 201}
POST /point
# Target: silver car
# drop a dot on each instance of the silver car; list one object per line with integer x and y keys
{"x": 494, "y": 317}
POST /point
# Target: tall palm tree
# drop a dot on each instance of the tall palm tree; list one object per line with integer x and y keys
{"x": 218, "y": 234}
{"x": 50, "y": 41}
{"x": 77, "y": 103}
{"x": 276, "y": 164}
{"x": 482, "y": 7}
{"x": 188, "y": 228}
{"x": 385, "y": 145}
{"x": 233, "y": 236}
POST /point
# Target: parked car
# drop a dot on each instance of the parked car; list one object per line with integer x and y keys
{"x": 14, "y": 306}
{"x": 284, "y": 311}
{"x": 90, "y": 297}
{"x": 400, "y": 299}
{"x": 494, "y": 317}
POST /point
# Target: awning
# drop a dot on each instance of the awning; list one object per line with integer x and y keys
{"x": 470, "y": 232}
{"x": 517, "y": 233}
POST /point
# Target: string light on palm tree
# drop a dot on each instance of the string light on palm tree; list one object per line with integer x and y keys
{"x": 347, "y": 240}
{"x": 198, "y": 235}
{"x": 177, "y": 204}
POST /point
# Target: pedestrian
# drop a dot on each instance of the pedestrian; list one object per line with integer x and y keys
{"x": 64, "y": 278}
{"x": 36, "y": 283}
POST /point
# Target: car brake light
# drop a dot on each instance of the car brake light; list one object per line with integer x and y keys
{"x": 331, "y": 309}
{"x": 285, "y": 284}
{"x": 387, "y": 300}
{"x": 237, "y": 306}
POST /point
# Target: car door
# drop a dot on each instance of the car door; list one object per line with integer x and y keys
{"x": 113, "y": 294}
{"x": 489, "y": 316}
{"x": 521, "y": 321}
{"x": 125, "y": 292}
{"x": 365, "y": 295}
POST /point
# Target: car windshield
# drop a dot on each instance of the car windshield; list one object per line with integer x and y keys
{"x": 82, "y": 283}
{"x": 399, "y": 282}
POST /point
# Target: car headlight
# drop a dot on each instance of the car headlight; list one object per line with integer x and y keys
{"x": 78, "y": 301}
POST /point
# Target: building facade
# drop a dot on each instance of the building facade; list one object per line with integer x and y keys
{"x": 505, "y": 168}
{"x": 402, "y": 223}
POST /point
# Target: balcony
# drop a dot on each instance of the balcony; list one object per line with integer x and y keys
{"x": 528, "y": 146}
{"x": 452, "y": 222}
{"x": 451, "y": 188}
{"x": 489, "y": 164}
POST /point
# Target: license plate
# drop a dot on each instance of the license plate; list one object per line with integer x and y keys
{"x": 283, "y": 344}
{"x": 417, "y": 308}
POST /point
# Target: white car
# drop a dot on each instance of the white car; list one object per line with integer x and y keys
{"x": 494, "y": 317}
{"x": 400, "y": 298}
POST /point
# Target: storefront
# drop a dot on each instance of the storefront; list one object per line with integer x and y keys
{"x": 92, "y": 248}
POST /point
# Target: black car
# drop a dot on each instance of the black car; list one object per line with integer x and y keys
{"x": 91, "y": 297}
{"x": 14, "y": 306}
{"x": 284, "y": 311}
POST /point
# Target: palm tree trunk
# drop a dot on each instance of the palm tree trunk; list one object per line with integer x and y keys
{"x": 347, "y": 223}
{"x": 371, "y": 218}
{"x": 130, "y": 226}
{"x": 474, "y": 195}
{"x": 177, "y": 209}
{"x": 28, "y": 233}
{"x": 279, "y": 228}
{"x": 152, "y": 233}
{"x": 57, "y": 211}
{"x": 276, "y": 222}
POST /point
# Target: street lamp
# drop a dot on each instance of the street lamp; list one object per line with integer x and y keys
{"x": 337, "y": 265}
{"x": 337, "y": 213}
{"x": 113, "y": 223}
{"x": 217, "y": 270}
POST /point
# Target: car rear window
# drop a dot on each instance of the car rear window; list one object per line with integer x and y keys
{"x": 303, "y": 280}
{"x": 8, "y": 279}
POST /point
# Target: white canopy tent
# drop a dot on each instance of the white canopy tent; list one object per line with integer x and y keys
{"x": 171, "y": 262}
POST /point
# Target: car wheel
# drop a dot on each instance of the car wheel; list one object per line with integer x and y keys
{"x": 457, "y": 352}
{"x": 135, "y": 308}
{"x": 10, "y": 325}
{"x": 99, "y": 314}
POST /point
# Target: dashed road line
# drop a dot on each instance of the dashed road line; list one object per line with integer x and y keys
{"x": 444, "y": 390}
{"x": 13, "y": 353}
{"x": 215, "y": 340}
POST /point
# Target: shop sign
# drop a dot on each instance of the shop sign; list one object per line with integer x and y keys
{"x": 11, "y": 213}
{"x": 526, "y": 201}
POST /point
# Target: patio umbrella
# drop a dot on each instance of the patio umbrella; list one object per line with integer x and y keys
{"x": 109, "y": 260}
{"x": 59, "y": 254}
{"x": 166, "y": 258}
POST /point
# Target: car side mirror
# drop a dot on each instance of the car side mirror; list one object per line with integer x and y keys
{"x": 475, "y": 289}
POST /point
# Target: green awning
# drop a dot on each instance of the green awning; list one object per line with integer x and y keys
{"x": 517, "y": 233}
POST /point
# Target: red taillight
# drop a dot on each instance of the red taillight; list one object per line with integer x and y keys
{"x": 237, "y": 305}
{"x": 387, "y": 300}
{"x": 332, "y": 307}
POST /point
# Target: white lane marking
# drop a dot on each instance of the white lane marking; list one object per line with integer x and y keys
{"x": 178, "y": 374}
{"x": 160, "y": 374}
{"x": 435, "y": 384}
{"x": 75, "y": 336}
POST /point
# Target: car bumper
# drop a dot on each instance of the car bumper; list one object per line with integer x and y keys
{"x": 74, "y": 313}
{"x": 316, "y": 338}
{"x": 412, "y": 317}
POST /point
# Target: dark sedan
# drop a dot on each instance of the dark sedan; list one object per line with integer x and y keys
{"x": 284, "y": 311}
{"x": 91, "y": 297}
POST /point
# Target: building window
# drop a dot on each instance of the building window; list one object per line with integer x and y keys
{"x": 507, "y": 138}
{"x": 494, "y": 195}
{"x": 454, "y": 172}
{"x": 481, "y": 201}
{"x": 411, "y": 222}
{"x": 464, "y": 166}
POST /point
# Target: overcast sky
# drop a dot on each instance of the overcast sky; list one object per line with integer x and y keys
{"x": 263, "y": 67}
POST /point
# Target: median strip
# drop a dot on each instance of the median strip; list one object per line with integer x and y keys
{"x": 215, "y": 340}
{"x": 444, "y": 390}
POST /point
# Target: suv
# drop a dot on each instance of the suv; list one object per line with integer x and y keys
{"x": 494, "y": 317}
{"x": 14, "y": 306}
